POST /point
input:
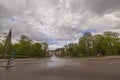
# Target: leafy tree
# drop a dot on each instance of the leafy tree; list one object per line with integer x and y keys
{"x": 27, "y": 48}
{"x": 74, "y": 49}
{"x": 87, "y": 41}
{"x": 99, "y": 47}
{"x": 111, "y": 39}
{"x": 37, "y": 51}
{"x": 1, "y": 49}
{"x": 84, "y": 48}
{"x": 106, "y": 44}
{"x": 25, "y": 45}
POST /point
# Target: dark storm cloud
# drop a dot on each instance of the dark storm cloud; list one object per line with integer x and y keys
{"x": 117, "y": 26}
{"x": 4, "y": 12}
{"x": 103, "y": 6}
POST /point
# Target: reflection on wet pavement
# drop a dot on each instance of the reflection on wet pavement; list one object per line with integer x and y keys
{"x": 62, "y": 69}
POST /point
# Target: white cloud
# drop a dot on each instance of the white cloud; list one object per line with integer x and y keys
{"x": 44, "y": 19}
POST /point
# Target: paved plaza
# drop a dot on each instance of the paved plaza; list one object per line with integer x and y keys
{"x": 62, "y": 69}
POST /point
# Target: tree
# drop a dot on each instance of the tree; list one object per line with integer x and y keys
{"x": 74, "y": 49}
{"x": 24, "y": 46}
{"x": 111, "y": 38}
{"x": 87, "y": 42}
{"x": 27, "y": 48}
{"x": 118, "y": 48}
{"x": 1, "y": 49}
{"x": 99, "y": 47}
{"x": 106, "y": 44}
{"x": 37, "y": 51}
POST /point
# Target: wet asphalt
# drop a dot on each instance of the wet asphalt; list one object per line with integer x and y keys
{"x": 63, "y": 69}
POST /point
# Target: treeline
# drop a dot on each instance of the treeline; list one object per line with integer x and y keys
{"x": 107, "y": 43}
{"x": 25, "y": 48}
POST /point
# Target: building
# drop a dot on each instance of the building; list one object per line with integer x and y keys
{"x": 60, "y": 52}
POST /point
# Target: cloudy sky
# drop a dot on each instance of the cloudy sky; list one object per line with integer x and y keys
{"x": 58, "y": 19}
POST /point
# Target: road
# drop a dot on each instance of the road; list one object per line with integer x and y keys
{"x": 63, "y": 69}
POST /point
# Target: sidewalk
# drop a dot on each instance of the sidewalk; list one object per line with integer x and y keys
{"x": 107, "y": 57}
{"x": 3, "y": 62}
{"x": 33, "y": 59}
{"x": 95, "y": 58}
{"x": 29, "y": 59}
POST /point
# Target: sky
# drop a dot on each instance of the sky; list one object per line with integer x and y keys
{"x": 45, "y": 20}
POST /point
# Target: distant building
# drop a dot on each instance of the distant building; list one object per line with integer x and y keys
{"x": 60, "y": 52}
